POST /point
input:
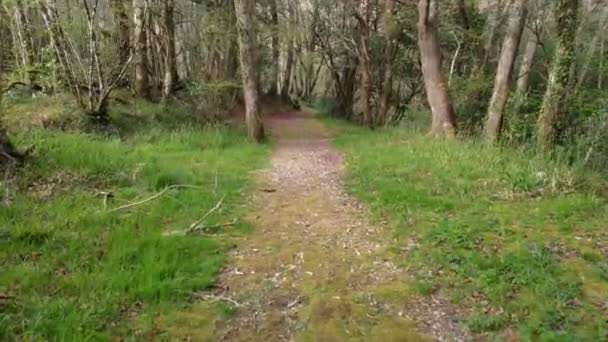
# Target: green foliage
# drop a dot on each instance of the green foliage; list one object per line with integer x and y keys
{"x": 517, "y": 238}
{"x": 471, "y": 98}
{"x": 76, "y": 271}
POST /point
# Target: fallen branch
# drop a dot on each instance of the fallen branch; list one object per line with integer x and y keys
{"x": 157, "y": 195}
{"x": 217, "y": 298}
{"x": 195, "y": 224}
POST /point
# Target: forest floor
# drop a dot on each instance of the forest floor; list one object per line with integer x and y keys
{"x": 315, "y": 268}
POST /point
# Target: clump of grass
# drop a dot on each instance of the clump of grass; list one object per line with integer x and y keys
{"x": 76, "y": 271}
{"x": 515, "y": 237}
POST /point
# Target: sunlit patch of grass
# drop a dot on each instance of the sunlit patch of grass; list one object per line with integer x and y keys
{"x": 74, "y": 270}
{"x": 515, "y": 237}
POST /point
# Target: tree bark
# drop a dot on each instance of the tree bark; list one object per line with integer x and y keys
{"x": 365, "y": 61}
{"x": 121, "y": 34}
{"x": 274, "y": 69}
{"x": 502, "y": 84}
{"x": 286, "y": 83}
{"x": 387, "y": 82}
{"x": 566, "y": 14}
{"x": 444, "y": 118}
{"x": 140, "y": 38}
{"x": 171, "y": 76}
{"x": 245, "y": 16}
{"x": 523, "y": 78}
{"x": 489, "y": 36}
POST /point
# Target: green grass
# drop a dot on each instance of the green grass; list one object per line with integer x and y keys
{"x": 76, "y": 271}
{"x": 519, "y": 240}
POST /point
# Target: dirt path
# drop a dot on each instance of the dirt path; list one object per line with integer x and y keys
{"x": 314, "y": 269}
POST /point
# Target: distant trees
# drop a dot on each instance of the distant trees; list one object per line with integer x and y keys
{"x": 370, "y": 61}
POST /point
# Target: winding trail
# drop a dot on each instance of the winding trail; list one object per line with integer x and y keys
{"x": 314, "y": 268}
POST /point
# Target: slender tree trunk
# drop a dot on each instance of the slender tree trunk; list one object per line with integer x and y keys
{"x": 140, "y": 38}
{"x": 170, "y": 78}
{"x": 600, "y": 74}
{"x": 365, "y": 60}
{"x": 274, "y": 70}
{"x": 60, "y": 44}
{"x": 387, "y": 82}
{"x": 25, "y": 37}
{"x": 566, "y": 14}
{"x": 502, "y": 84}
{"x": 286, "y": 84}
{"x": 523, "y": 78}
{"x": 245, "y": 16}
{"x": 463, "y": 13}
{"x": 444, "y": 118}
{"x": 599, "y": 34}
{"x": 489, "y": 36}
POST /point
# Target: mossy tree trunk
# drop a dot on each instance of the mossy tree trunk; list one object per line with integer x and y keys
{"x": 566, "y": 14}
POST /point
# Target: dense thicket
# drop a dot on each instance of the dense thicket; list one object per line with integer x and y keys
{"x": 516, "y": 71}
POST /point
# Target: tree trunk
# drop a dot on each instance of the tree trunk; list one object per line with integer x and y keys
{"x": 140, "y": 38}
{"x": 599, "y": 34}
{"x": 287, "y": 75}
{"x": 444, "y": 118}
{"x": 523, "y": 78}
{"x": 121, "y": 34}
{"x": 365, "y": 60}
{"x": 387, "y": 82}
{"x": 171, "y": 77}
{"x": 504, "y": 71}
{"x": 489, "y": 36}
{"x": 8, "y": 152}
{"x": 566, "y": 14}
{"x": 245, "y": 16}
{"x": 274, "y": 69}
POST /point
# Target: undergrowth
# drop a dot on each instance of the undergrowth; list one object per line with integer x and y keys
{"x": 72, "y": 269}
{"x": 517, "y": 241}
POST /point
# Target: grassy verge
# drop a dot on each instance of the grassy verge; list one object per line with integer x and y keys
{"x": 520, "y": 243}
{"x": 74, "y": 270}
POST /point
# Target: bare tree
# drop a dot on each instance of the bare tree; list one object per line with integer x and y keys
{"x": 444, "y": 117}
{"x": 245, "y": 16}
{"x": 504, "y": 71}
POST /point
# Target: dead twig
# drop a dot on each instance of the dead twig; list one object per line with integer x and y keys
{"x": 217, "y": 298}
{"x": 195, "y": 224}
{"x": 157, "y": 195}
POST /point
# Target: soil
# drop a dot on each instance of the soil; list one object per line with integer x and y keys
{"x": 315, "y": 268}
